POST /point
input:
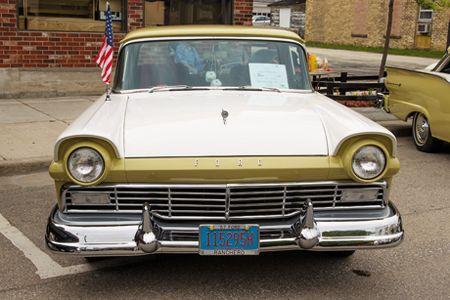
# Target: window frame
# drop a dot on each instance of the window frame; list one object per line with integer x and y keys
{"x": 231, "y": 20}
{"x": 442, "y": 62}
{"x": 123, "y": 26}
{"x": 445, "y": 63}
{"x": 427, "y": 20}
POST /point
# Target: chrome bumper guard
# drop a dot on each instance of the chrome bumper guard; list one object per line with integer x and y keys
{"x": 108, "y": 238}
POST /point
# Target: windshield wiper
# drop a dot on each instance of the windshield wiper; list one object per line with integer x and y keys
{"x": 252, "y": 88}
{"x": 166, "y": 88}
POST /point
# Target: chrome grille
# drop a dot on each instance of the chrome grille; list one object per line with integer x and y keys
{"x": 224, "y": 201}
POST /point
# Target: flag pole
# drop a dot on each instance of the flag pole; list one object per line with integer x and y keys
{"x": 108, "y": 89}
{"x": 104, "y": 57}
{"x": 108, "y": 92}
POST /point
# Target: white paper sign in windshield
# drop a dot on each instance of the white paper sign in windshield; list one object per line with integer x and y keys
{"x": 268, "y": 75}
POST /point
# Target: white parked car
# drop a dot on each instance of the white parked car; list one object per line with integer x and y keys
{"x": 213, "y": 142}
{"x": 260, "y": 20}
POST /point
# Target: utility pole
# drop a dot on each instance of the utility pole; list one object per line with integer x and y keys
{"x": 387, "y": 39}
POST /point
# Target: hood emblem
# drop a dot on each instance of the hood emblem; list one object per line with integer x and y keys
{"x": 225, "y": 115}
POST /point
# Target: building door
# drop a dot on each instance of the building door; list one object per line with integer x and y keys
{"x": 285, "y": 17}
{"x": 183, "y": 12}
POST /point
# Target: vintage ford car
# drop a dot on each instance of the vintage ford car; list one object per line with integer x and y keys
{"x": 213, "y": 142}
{"x": 423, "y": 95}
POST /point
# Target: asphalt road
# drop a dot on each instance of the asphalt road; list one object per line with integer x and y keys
{"x": 366, "y": 63}
{"x": 418, "y": 268}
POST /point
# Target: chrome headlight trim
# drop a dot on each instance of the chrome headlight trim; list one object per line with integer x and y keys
{"x": 85, "y": 165}
{"x": 369, "y": 162}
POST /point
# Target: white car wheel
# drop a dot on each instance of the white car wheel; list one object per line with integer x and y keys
{"x": 422, "y": 134}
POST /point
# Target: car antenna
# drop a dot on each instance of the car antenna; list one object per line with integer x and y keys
{"x": 108, "y": 93}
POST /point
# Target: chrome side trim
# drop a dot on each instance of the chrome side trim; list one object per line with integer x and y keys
{"x": 218, "y": 185}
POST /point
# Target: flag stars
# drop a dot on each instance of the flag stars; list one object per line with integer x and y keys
{"x": 104, "y": 57}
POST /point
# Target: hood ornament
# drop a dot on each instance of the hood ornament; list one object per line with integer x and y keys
{"x": 225, "y": 115}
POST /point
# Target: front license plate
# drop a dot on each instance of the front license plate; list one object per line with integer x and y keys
{"x": 229, "y": 239}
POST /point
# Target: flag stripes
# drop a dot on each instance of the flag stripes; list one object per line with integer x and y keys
{"x": 104, "y": 57}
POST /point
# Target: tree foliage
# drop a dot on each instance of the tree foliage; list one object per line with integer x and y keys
{"x": 434, "y": 4}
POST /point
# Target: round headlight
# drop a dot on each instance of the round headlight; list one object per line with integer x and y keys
{"x": 85, "y": 165}
{"x": 368, "y": 162}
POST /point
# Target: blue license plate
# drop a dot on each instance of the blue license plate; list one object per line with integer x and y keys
{"x": 229, "y": 239}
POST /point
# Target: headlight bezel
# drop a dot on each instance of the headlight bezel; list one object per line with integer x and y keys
{"x": 94, "y": 146}
{"x": 347, "y": 153}
{"x": 383, "y": 161}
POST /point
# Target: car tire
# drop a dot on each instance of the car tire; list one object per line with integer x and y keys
{"x": 421, "y": 131}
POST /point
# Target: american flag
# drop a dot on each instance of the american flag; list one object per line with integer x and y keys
{"x": 104, "y": 57}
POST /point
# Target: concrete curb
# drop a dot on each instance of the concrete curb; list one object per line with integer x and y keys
{"x": 24, "y": 166}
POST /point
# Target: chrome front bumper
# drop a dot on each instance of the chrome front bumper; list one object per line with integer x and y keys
{"x": 106, "y": 235}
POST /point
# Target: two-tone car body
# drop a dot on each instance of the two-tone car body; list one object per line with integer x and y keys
{"x": 213, "y": 142}
{"x": 423, "y": 95}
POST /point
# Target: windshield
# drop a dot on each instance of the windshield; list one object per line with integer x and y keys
{"x": 212, "y": 63}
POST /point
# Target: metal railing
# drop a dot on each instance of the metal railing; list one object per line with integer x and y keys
{"x": 338, "y": 88}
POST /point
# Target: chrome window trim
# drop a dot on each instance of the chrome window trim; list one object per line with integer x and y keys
{"x": 442, "y": 63}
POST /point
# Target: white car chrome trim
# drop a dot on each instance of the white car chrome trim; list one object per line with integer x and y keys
{"x": 224, "y": 201}
{"x": 98, "y": 239}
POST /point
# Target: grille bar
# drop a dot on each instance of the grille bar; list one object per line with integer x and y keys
{"x": 225, "y": 201}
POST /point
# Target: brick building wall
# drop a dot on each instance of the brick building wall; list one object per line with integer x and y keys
{"x": 243, "y": 12}
{"x": 363, "y": 22}
{"x": 441, "y": 25}
{"x": 30, "y": 49}
{"x": 44, "y": 63}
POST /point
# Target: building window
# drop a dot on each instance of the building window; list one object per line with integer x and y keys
{"x": 69, "y": 15}
{"x": 176, "y": 12}
{"x": 261, "y": 14}
{"x": 425, "y": 21}
{"x": 425, "y": 15}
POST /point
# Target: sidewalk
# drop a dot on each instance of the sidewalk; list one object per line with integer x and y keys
{"x": 29, "y": 128}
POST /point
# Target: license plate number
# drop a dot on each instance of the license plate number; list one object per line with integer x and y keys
{"x": 229, "y": 239}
